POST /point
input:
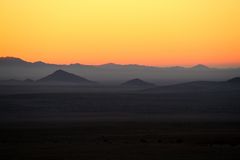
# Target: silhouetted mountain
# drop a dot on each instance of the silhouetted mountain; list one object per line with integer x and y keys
{"x": 12, "y": 61}
{"x": 200, "y": 66}
{"x": 137, "y": 83}
{"x": 234, "y": 80}
{"x": 40, "y": 63}
{"x": 61, "y": 76}
{"x": 16, "y": 82}
{"x": 15, "y": 68}
{"x": 198, "y": 86}
{"x": 111, "y": 65}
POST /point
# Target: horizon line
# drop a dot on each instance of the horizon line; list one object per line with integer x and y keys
{"x": 125, "y": 64}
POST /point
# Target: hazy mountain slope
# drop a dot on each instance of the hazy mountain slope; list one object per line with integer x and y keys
{"x": 235, "y": 80}
{"x": 200, "y": 86}
{"x": 61, "y": 76}
{"x": 15, "y": 68}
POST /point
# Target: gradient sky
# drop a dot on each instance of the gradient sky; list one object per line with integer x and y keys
{"x": 150, "y": 32}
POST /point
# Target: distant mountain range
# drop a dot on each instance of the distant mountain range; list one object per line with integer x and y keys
{"x": 200, "y": 86}
{"x": 58, "y": 77}
{"x": 234, "y": 80}
{"x": 63, "y": 77}
{"x": 137, "y": 83}
{"x": 16, "y": 68}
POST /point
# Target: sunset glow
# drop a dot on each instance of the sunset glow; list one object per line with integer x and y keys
{"x": 149, "y": 32}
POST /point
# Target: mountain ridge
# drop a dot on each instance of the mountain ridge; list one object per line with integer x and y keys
{"x": 136, "y": 82}
{"x": 64, "y": 77}
{"x": 15, "y": 59}
{"x": 15, "y": 68}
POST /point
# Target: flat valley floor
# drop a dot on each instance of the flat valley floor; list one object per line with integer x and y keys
{"x": 35, "y": 125}
{"x": 120, "y": 141}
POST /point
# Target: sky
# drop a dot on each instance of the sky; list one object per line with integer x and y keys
{"x": 148, "y": 32}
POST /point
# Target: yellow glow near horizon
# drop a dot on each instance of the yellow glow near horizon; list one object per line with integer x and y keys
{"x": 151, "y": 32}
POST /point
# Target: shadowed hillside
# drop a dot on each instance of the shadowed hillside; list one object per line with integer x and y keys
{"x": 234, "y": 80}
{"x": 15, "y": 68}
{"x": 200, "y": 86}
{"x": 61, "y": 76}
{"x": 137, "y": 83}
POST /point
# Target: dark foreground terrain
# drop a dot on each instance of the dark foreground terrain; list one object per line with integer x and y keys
{"x": 117, "y": 124}
{"x": 120, "y": 141}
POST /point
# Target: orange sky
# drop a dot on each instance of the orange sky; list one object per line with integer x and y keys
{"x": 150, "y": 32}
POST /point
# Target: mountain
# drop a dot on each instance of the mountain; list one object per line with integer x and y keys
{"x": 61, "y": 76}
{"x": 110, "y": 65}
{"x": 200, "y": 86}
{"x": 12, "y": 61}
{"x": 200, "y": 67}
{"x": 137, "y": 83}
{"x": 111, "y": 73}
{"x": 234, "y": 80}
